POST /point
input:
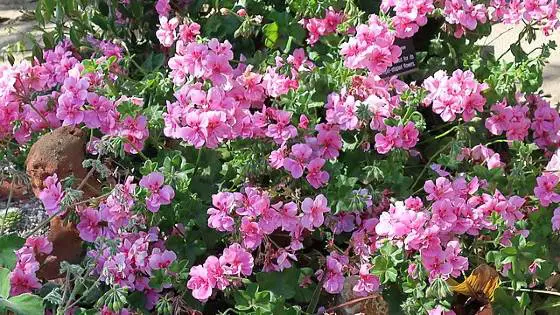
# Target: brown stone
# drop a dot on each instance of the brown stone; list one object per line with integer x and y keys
{"x": 61, "y": 151}
{"x": 67, "y": 246}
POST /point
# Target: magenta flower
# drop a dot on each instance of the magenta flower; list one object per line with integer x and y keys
{"x": 236, "y": 261}
{"x": 52, "y": 194}
{"x": 296, "y": 163}
{"x": 157, "y": 195}
{"x": 90, "y": 227}
{"x": 545, "y": 190}
{"x": 334, "y": 282}
{"x": 163, "y": 8}
{"x": 315, "y": 176}
{"x": 556, "y": 220}
{"x": 22, "y": 282}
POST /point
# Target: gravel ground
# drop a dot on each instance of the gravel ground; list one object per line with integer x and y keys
{"x": 31, "y": 213}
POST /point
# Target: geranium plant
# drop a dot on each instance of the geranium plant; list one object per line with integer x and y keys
{"x": 268, "y": 157}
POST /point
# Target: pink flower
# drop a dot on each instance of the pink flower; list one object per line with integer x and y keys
{"x": 219, "y": 217}
{"x": 313, "y": 211}
{"x": 391, "y": 139}
{"x": 277, "y": 157}
{"x": 556, "y": 220}
{"x": 22, "y": 282}
{"x": 251, "y": 233}
{"x": 162, "y": 197}
{"x": 297, "y": 160}
{"x": 236, "y": 261}
{"x": 188, "y": 32}
{"x": 330, "y": 143}
{"x": 287, "y": 215}
{"x": 436, "y": 264}
{"x": 440, "y": 311}
{"x": 158, "y": 195}
{"x": 303, "y": 121}
{"x": 367, "y": 283}
{"x": 216, "y": 273}
{"x": 90, "y": 224}
{"x": 40, "y": 244}
{"x": 163, "y": 8}
{"x": 161, "y": 260}
{"x": 334, "y": 282}
{"x": 166, "y": 32}
{"x": 441, "y": 189}
{"x": 52, "y": 194}
{"x": 409, "y": 136}
{"x": 200, "y": 283}
{"x": 316, "y": 177}
{"x": 544, "y": 191}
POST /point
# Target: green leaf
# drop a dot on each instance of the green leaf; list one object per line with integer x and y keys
{"x": 24, "y": 304}
{"x": 8, "y": 245}
{"x": 283, "y": 283}
{"x": 553, "y": 303}
{"x": 75, "y": 37}
{"x": 271, "y": 34}
{"x": 4, "y": 282}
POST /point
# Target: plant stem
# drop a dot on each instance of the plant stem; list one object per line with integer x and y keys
{"x": 7, "y": 207}
{"x": 142, "y": 155}
{"x": 428, "y": 164}
{"x": 351, "y": 302}
{"x": 533, "y": 291}
{"x": 196, "y": 164}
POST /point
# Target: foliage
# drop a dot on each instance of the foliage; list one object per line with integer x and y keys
{"x": 256, "y": 158}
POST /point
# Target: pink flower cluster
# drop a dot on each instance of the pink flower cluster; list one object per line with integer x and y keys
{"x": 404, "y": 137}
{"x": 459, "y": 93}
{"x": 208, "y": 117}
{"x": 256, "y": 218}
{"x": 409, "y": 15}
{"x": 159, "y": 194}
{"x": 371, "y": 48}
{"x": 58, "y": 92}
{"x": 112, "y": 215}
{"x": 464, "y": 15}
{"x": 455, "y": 210}
{"x": 52, "y": 194}
{"x": 317, "y": 27}
{"x": 532, "y": 113}
{"x": 138, "y": 255}
{"x": 542, "y": 12}
{"x": 214, "y": 273}
{"x": 23, "y": 278}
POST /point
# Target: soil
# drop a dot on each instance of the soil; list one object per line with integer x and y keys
{"x": 20, "y": 191}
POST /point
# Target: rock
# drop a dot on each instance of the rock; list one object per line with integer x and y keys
{"x": 61, "y": 151}
{"x": 67, "y": 246}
